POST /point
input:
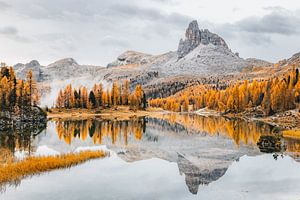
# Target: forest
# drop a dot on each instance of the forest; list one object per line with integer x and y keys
{"x": 271, "y": 96}
{"x": 99, "y": 98}
{"x": 17, "y": 95}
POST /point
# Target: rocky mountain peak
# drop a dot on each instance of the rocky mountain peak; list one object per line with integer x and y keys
{"x": 34, "y": 63}
{"x": 192, "y": 33}
{"x": 66, "y": 62}
{"x": 34, "y": 66}
{"x": 195, "y": 36}
{"x": 130, "y": 58}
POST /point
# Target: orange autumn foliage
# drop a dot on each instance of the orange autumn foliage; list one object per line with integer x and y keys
{"x": 98, "y": 98}
{"x": 272, "y": 95}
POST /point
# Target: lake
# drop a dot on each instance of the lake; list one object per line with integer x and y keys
{"x": 174, "y": 156}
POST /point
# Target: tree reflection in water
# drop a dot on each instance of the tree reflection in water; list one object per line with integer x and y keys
{"x": 240, "y": 131}
{"x": 99, "y": 129}
{"x": 19, "y": 138}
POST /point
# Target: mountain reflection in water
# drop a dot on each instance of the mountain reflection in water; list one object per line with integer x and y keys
{"x": 202, "y": 147}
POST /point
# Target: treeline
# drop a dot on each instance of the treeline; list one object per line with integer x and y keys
{"x": 98, "y": 97}
{"x": 272, "y": 96}
{"x": 16, "y": 94}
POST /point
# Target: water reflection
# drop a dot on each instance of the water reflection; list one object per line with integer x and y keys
{"x": 258, "y": 178}
{"x": 293, "y": 147}
{"x": 18, "y": 139}
{"x": 240, "y": 131}
{"x": 271, "y": 144}
{"x": 97, "y": 130}
{"x": 203, "y": 148}
{"x": 195, "y": 176}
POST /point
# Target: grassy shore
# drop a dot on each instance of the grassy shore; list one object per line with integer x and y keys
{"x": 15, "y": 171}
{"x": 119, "y": 113}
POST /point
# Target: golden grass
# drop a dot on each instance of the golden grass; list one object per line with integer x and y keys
{"x": 15, "y": 171}
{"x": 291, "y": 133}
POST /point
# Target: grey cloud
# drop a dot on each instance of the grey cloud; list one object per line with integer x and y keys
{"x": 164, "y": 1}
{"x": 8, "y": 30}
{"x": 12, "y": 33}
{"x": 150, "y": 14}
{"x": 59, "y": 41}
{"x": 260, "y": 31}
{"x": 274, "y": 8}
{"x": 276, "y": 22}
{"x": 253, "y": 38}
{"x": 132, "y": 11}
{"x": 116, "y": 11}
{"x": 4, "y": 5}
{"x": 111, "y": 41}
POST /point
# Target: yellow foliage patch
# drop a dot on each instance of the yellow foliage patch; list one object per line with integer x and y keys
{"x": 15, "y": 171}
{"x": 291, "y": 133}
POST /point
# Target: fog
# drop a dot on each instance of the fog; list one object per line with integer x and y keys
{"x": 49, "y": 98}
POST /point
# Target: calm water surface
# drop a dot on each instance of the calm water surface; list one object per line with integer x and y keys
{"x": 171, "y": 157}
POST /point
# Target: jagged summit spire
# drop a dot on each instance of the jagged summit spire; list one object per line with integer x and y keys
{"x": 193, "y": 32}
{"x": 195, "y": 36}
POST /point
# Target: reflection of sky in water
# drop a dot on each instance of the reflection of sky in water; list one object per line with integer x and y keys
{"x": 167, "y": 161}
{"x": 259, "y": 177}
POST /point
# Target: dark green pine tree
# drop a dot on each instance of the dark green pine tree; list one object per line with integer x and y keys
{"x": 92, "y": 99}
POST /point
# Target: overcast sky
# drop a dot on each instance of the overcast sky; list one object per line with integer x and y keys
{"x": 97, "y": 31}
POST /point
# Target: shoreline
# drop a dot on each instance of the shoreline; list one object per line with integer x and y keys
{"x": 118, "y": 113}
{"x": 283, "y": 121}
{"x": 288, "y": 120}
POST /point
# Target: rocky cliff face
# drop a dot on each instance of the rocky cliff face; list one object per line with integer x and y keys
{"x": 194, "y": 37}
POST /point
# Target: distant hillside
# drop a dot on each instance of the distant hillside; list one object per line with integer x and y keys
{"x": 60, "y": 70}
